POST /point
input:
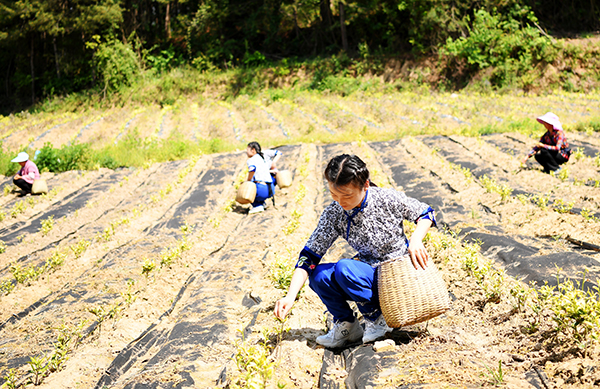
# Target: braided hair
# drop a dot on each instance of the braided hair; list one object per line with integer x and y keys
{"x": 347, "y": 169}
{"x": 256, "y": 147}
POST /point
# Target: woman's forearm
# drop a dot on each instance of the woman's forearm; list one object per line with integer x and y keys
{"x": 298, "y": 279}
{"x": 421, "y": 230}
{"x": 250, "y": 175}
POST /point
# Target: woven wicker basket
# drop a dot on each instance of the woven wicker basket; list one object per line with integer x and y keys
{"x": 409, "y": 296}
{"x": 39, "y": 187}
{"x": 246, "y": 193}
{"x": 284, "y": 178}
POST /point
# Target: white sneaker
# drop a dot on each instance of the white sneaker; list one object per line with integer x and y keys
{"x": 375, "y": 329}
{"x": 257, "y": 209}
{"x": 342, "y": 332}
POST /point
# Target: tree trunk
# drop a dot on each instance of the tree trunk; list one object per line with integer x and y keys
{"x": 343, "y": 27}
{"x": 296, "y": 21}
{"x": 32, "y": 73}
{"x": 56, "y": 57}
{"x": 325, "y": 8}
{"x": 168, "y": 21}
{"x": 326, "y": 19}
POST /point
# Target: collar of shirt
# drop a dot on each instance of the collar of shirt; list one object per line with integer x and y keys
{"x": 355, "y": 212}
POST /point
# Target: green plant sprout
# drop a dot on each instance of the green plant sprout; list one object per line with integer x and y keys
{"x": 578, "y": 154}
{"x": 148, "y": 266}
{"x": 38, "y": 369}
{"x": 10, "y": 379}
{"x": 293, "y": 223}
{"x": 47, "y": 225}
{"x": 79, "y": 248}
{"x": 281, "y": 270}
{"x": 17, "y": 209}
{"x": 560, "y": 206}
{"x": 495, "y": 377}
{"x": 541, "y": 201}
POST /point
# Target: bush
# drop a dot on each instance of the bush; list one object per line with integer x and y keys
{"x": 503, "y": 43}
{"x": 115, "y": 63}
{"x": 69, "y": 157}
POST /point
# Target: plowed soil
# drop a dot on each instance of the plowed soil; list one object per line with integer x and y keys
{"x": 141, "y": 314}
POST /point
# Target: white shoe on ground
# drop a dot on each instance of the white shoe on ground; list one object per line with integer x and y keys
{"x": 341, "y": 333}
{"x": 257, "y": 209}
{"x": 375, "y": 329}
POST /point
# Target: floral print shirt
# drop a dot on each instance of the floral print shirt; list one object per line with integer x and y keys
{"x": 374, "y": 229}
{"x": 554, "y": 141}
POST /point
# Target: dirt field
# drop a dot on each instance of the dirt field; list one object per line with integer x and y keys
{"x": 165, "y": 283}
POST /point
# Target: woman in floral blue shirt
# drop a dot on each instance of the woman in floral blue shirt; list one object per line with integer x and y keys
{"x": 370, "y": 219}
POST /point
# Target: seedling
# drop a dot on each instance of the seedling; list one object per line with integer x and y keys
{"x": 17, "y": 209}
{"x": 301, "y": 193}
{"x": 563, "y": 175}
{"x": 47, "y": 225}
{"x": 148, "y": 266}
{"x": 79, "y": 248}
{"x": 541, "y": 201}
{"x": 578, "y": 154}
{"x": 228, "y": 207}
{"x": 38, "y": 369}
{"x": 11, "y": 379}
{"x": 294, "y": 222}
{"x": 281, "y": 271}
{"x": 2, "y": 247}
{"x": 7, "y": 190}
{"x": 495, "y": 376}
{"x": 128, "y": 296}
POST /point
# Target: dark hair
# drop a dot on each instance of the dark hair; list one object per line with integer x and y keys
{"x": 347, "y": 169}
{"x": 256, "y": 146}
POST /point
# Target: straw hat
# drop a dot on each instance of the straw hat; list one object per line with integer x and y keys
{"x": 551, "y": 119}
{"x": 21, "y": 157}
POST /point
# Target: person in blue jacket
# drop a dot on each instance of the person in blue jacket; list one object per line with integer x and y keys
{"x": 370, "y": 219}
{"x": 259, "y": 173}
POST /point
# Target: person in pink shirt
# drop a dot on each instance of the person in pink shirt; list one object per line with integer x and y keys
{"x": 553, "y": 149}
{"x": 27, "y": 174}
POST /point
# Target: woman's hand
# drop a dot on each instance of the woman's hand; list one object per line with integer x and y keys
{"x": 18, "y": 177}
{"x": 418, "y": 254}
{"x": 524, "y": 160}
{"x": 282, "y": 307}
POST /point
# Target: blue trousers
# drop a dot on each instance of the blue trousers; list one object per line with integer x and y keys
{"x": 347, "y": 280}
{"x": 262, "y": 193}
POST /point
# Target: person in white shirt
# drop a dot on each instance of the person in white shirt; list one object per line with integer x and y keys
{"x": 259, "y": 173}
{"x": 271, "y": 157}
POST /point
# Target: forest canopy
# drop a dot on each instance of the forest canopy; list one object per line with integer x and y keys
{"x": 51, "y": 47}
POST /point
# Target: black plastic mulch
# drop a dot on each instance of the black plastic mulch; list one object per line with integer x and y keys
{"x": 201, "y": 322}
{"x": 522, "y": 262}
{"x": 77, "y": 292}
{"x": 194, "y": 328}
{"x": 68, "y": 205}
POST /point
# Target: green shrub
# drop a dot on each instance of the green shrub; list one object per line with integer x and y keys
{"x": 502, "y": 42}
{"x": 69, "y": 157}
{"x": 116, "y": 63}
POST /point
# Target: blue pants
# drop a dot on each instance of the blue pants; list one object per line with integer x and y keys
{"x": 262, "y": 193}
{"x": 336, "y": 283}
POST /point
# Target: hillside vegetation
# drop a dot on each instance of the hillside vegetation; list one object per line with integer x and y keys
{"x": 58, "y": 48}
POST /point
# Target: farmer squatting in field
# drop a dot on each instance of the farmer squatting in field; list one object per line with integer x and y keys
{"x": 370, "y": 219}
{"x": 552, "y": 149}
{"x": 27, "y": 174}
{"x": 261, "y": 171}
